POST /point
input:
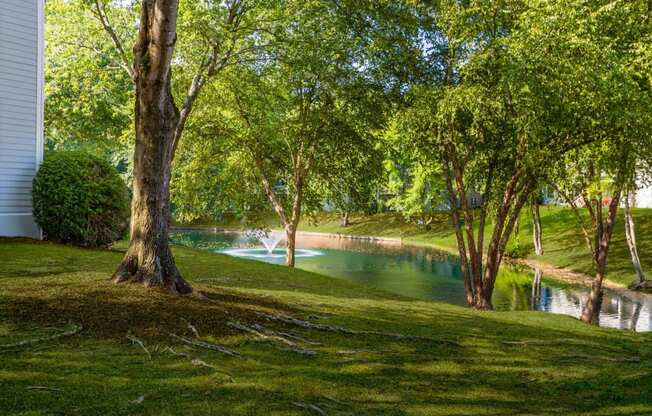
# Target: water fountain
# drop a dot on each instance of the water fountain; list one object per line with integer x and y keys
{"x": 270, "y": 240}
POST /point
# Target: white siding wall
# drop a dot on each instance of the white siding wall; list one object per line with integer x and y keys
{"x": 21, "y": 131}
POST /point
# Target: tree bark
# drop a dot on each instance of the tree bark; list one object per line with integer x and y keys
{"x": 461, "y": 244}
{"x": 149, "y": 259}
{"x": 290, "y": 239}
{"x": 630, "y": 234}
{"x": 344, "y": 219}
{"x": 603, "y": 236}
{"x": 514, "y": 199}
{"x": 536, "y": 229}
{"x": 290, "y": 224}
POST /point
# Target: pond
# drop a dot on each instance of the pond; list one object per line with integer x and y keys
{"x": 427, "y": 274}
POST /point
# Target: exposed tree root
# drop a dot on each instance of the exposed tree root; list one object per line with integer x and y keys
{"x": 259, "y": 333}
{"x": 208, "y": 346}
{"x": 75, "y": 330}
{"x": 310, "y": 407}
{"x": 137, "y": 341}
{"x": 340, "y": 329}
{"x": 191, "y": 327}
{"x": 198, "y": 363}
{"x": 286, "y": 335}
{"x": 139, "y": 400}
{"x": 173, "y": 352}
{"x": 160, "y": 271}
{"x": 44, "y": 388}
{"x": 270, "y": 335}
{"x": 334, "y": 400}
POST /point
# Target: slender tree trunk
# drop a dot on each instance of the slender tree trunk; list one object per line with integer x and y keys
{"x": 149, "y": 259}
{"x": 461, "y": 245}
{"x": 290, "y": 239}
{"x": 603, "y": 236}
{"x": 344, "y": 219}
{"x": 475, "y": 267}
{"x": 503, "y": 230}
{"x": 536, "y": 227}
{"x": 630, "y": 234}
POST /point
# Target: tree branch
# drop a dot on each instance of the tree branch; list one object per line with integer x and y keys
{"x": 100, "y": 14}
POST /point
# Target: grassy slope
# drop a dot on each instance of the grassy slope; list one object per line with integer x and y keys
{"x": 576, "y": 369}
{"x": 562, "y": 239}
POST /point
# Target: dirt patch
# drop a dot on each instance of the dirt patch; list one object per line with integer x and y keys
{"x": 564, "y": 274}
{"x": 106, "y": 310}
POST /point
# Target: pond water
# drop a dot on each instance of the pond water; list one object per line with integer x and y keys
{"x": 427, "y": 274}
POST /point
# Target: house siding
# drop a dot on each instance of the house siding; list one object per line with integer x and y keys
{"x": 21, "y": 107}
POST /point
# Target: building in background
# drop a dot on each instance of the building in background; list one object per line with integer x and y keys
{"x": 21, "y": 112}
{"x": 643, "y": 198}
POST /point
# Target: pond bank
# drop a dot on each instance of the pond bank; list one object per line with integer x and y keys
{"x": 552, "y": 272}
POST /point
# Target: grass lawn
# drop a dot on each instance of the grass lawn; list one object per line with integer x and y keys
{"x": 563, "y": 243}
{"x": 495, "y": 363}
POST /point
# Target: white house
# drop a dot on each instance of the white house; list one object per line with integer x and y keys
{"x": 21, "y": 112}
{"x": 644, "y": 197}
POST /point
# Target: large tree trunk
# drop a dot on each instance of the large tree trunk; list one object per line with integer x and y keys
{"x": 536, "y": 229}
{"x": 630, "y": 234}
{"x": 603, "y": 236}
{"x": 149, "y": 259}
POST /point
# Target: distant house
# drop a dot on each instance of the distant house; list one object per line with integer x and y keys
{"x": 21, "y": 112}
{"x": 643, "y": 198}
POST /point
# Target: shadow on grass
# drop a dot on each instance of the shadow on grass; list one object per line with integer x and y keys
{"x": 574, "y": 370}
{"x": 107, "y": 310}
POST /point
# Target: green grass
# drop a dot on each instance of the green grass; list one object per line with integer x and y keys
{"x": 563, "y": 242}
{"x": 573, "y": 369}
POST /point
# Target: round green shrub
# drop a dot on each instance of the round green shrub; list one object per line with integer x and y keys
{"x": 80, "y": 199}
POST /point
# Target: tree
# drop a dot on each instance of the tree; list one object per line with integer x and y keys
{"x": 414, "y": 176}
{"x": 89, "y": 98}
{"x": 149, "y": 259}
{"x": 522, "y": 84}
{"x": 89, "y": 72}
{"x": 291, "y": 131}
{"x": 630, "y": 237}
{"x": 641, "y": 176}
{"x": 600, "y": 173}
{"x": 352, "y": 186}
{"x": 159, "y": 122}
{"x": 536, "y": 226}
{"x": 470, "y": 121}
{"x": 296, "y": 113}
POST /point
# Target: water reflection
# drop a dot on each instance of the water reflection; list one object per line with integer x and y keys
{"x": 426, "y": 273}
